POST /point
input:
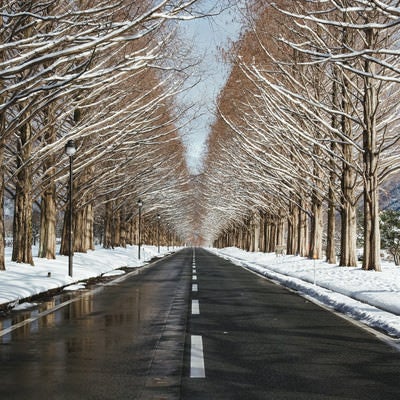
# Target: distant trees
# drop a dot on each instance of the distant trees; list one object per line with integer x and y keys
{"x": 390, "y": 233}
{"x": 311, "y": 114}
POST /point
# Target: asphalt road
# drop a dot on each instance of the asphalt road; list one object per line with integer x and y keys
{"x": 123, "y": 342}
{"x": 193, "y": 326}
{"x": 261, "y": 341}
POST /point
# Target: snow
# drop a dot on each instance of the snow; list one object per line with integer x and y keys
{"x": 21, "y": 281}
{"x": 367, "y": 296}
{"x": 77, "y": 286}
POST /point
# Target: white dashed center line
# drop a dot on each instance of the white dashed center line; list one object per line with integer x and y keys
{"x": 195, "y": 307}
{"x": 197, "y": 369}
{"x": 197, "y": 358}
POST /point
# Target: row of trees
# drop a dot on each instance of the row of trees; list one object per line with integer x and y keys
{"x": 308, "y": 129}
{"x": 104, "y": 74}
{"x": 306, "y": 132}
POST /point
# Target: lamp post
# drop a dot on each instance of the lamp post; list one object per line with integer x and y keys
{"x": 158, "y": 232}
{"x": 140, "y": 205}
{"x": 70, "y": 151}
{"x": 167, "y": 237}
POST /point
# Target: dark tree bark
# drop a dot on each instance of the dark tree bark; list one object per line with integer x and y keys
{"x": 371, "y": 256}
{"x": 22, "y": 225}
{"x": 2, "y": 231}
{"x": 302, "y": 234}
{"x": 107, "y": 243}
{"x": 331, "y": 217}
{"x": 48, "y": 207}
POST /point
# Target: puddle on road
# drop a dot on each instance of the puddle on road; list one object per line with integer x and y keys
{"x": 81, "y": 303}
{"x": 73, "y": 305}
{"x": 35, "y": 320}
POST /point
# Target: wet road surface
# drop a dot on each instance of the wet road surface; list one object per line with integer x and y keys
{"x": 123, "y": 342}
{"x": 260, "y": 341}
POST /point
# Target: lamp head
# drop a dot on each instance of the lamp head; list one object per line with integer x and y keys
{"x": 70, "y": 148}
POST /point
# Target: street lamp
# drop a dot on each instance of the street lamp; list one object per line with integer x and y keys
{"x": 167, "y": 237}
{"x": 140, "y": 205}
{"x": 158, "y": 232}
{"x": 70, "y": 151}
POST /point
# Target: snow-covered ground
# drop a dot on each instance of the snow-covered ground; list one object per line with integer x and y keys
{"x": 20, "y": 281}
{"x": 370, "y": 297}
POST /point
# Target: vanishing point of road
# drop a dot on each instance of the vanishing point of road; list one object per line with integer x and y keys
{"x": 191, "y": 326}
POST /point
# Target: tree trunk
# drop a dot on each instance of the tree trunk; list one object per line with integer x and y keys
{"x": 83, "y": 215}
{"x": 2, "y": 228}
{"x": 22, "y": 226}
{"x": 265, "y": 232}
{"x": 371, "y": 256}
{"x": 48, "y": 213}
{"x": 293, "y": 229}
{"x": 89, "y": 245}
{"x": 237, "y": 237}
{"x": 331, "y": 217}
{"x": 117, "y": 229}
{"x": 248, "y": 234}
{"x": 129, "y": 231}
{"x": 262, "y": 233}
{"x": 122, "y": 234}
{"x": 48, "y": 208}
{"x": 302, "y": 231}
{"x": 280, "y": 230}
{"x": 348, "y": 210}
{"x": 316, "y": 213}
{"x": 272, "y": 235}
{"x": 331, "y": 229}
{"x": 348, "y": 203}
{"x": 107, "y": 243}
{"x": 269, "y": 234}
{"x": 83, "y": 229}
{"x": 256, "y": 223}
{"x": 316, "y": 229}
{"x": 79, "y": 230}
{"x": 242, "y": 238}
{"x": 134, "y": 230}
{"x": 64, "y": 249}
{"x": 2, "y": 172}
{"x": 348, "y": 236}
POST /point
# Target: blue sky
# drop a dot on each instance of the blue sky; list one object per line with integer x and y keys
{"x": 205, "y": 36}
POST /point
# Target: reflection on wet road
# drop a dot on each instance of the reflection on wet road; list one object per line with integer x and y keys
{"x": 110, "y": 344}
{"x": 21, "y": 323}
